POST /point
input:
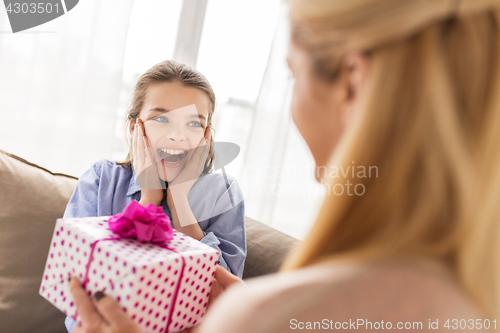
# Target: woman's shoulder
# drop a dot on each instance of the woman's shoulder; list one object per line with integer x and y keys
{"x": 326, "y": 294}
{"x": 268, "y": 303}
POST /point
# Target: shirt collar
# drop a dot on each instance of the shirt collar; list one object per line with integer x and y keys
{"x": 133, "y": 186}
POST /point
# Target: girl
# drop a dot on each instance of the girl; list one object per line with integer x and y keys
{"x": 169, "y": 125}
{"x": 174, "y": 94}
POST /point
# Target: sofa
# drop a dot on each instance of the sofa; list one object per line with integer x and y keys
{"x": 32, "y": 198}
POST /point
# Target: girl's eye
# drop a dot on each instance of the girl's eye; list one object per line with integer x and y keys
{"x": 195, "y": 124}
{"x": 161, "y": 119}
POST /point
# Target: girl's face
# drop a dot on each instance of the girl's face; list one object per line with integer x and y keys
{"x": 175, "y": 118}
{"x": 321, "y": 110}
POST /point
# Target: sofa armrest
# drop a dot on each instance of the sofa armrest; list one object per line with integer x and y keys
{"x": 266, "y": 248}
{"x": 32, "y": 198}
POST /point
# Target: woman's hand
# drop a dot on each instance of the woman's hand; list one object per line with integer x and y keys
{"x": 222, "y": 280}
{"x": 145, "y": 167}
{"x": 100, "y": 314}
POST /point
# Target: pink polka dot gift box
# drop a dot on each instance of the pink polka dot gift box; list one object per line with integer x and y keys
{"x": 159, "y": 276}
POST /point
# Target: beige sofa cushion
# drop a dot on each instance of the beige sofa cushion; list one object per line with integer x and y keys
{"x": 32, "y": 198}
{"x": 266, "y": 248}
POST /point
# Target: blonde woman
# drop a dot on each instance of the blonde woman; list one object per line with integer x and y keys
{"x": 413, "y": 88}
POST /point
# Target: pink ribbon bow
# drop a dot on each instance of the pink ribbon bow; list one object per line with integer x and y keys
{"x": 146, "y": 224}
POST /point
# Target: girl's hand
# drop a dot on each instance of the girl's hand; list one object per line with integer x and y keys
{"x": 145, "y": 167}
{"x": 100, "y": 314}
{"x": 183, "y": 218}
{"x": 182, "y": 184}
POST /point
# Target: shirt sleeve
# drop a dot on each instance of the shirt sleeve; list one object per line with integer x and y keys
{"x": 226, "y": 231}
{"x": 83, "y": 202}
{"x": 70, "y": 324}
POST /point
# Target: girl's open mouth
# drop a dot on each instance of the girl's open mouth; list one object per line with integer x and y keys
{"x": 171, "y": 156}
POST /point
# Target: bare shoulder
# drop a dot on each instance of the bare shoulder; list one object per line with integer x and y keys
{"x": 413, "y": 292}
{"x": 319, "y": 297}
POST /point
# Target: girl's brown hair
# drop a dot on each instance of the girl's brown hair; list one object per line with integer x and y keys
{"x": 429, "y": 121}
{"x": 170, "y": 71}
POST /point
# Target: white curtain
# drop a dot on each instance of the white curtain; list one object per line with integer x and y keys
{"x": 60, "y": 85}
{"x": 278, "y": 167}
{"x": 65, "y": 86}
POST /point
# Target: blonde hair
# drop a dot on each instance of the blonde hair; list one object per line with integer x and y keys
{"x": 430, "y": 122}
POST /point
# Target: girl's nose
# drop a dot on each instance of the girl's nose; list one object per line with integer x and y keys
{"x": 176, "y": 136}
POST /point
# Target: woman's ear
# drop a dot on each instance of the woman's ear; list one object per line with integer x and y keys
{"x": 355, "y": 76}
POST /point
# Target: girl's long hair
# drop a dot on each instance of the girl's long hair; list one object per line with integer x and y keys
{"x": 429, "y": 123}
